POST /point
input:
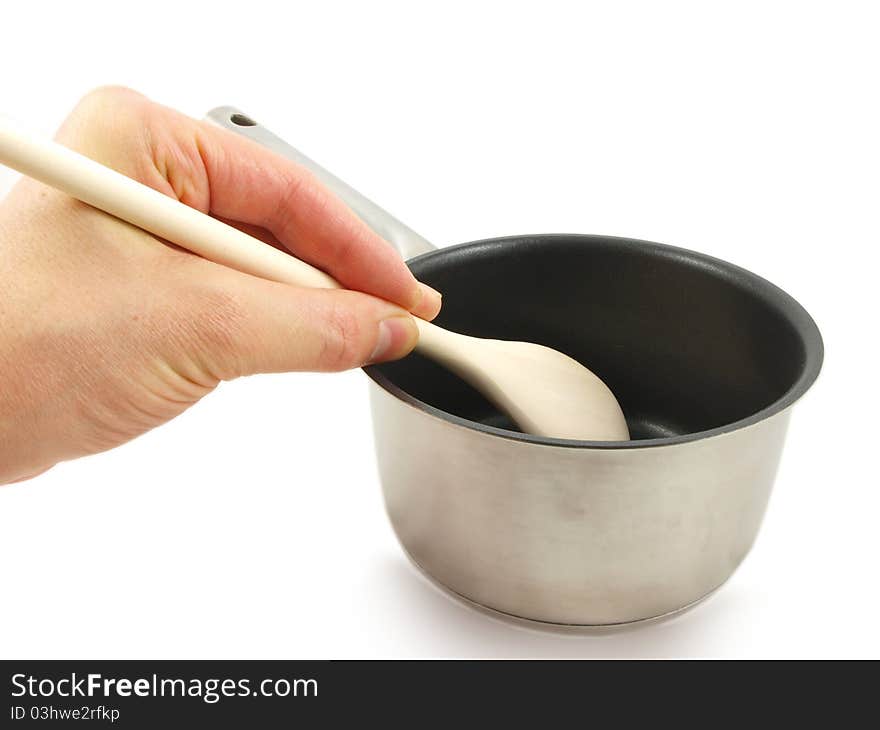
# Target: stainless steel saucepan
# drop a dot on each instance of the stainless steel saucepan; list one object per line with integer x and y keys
{"x": 707, "y": 360}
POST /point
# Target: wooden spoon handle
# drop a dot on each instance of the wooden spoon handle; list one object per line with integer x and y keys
{"x": 114, "y": 193}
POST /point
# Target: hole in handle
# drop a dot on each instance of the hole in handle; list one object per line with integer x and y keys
{"x": 242, "y": 121}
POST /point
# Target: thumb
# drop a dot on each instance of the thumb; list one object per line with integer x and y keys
{"x": 246, "y": 325}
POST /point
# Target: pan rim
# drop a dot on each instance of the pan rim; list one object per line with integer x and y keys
{"x": 800, "y": 320}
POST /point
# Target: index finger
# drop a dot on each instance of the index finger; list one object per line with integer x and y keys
{"x": 253, "y": 185}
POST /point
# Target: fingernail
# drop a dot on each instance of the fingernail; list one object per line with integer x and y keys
{"x": 397, "y": 336}
{"x": 430, "y": 303}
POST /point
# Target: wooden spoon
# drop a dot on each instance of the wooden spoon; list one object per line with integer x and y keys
{"x": 545, "y": 392}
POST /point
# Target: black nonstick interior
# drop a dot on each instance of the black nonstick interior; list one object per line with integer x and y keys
{"x": 686, "y": 342}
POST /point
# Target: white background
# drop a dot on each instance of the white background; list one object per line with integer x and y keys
{"x": 253, "y": 526}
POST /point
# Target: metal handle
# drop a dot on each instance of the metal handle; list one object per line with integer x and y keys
{"x": 406, "y": 241}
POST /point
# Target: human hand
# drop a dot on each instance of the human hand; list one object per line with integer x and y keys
{"x": 106, "y": 331}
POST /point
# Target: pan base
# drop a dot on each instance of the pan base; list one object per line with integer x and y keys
{"x": 530, "y": 624}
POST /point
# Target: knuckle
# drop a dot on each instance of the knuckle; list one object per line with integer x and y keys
{"x": 103, "y": 98}
{"x": 288, "y": 202}
{"x": 112, "y": 124}
{"x": 341, "y": 346}
{"x": 215, "y": 336}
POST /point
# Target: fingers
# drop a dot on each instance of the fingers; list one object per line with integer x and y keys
{"x": 237, "y": 180}
{"x": 243, "y": 325}
{"x": 255, "y": 186}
